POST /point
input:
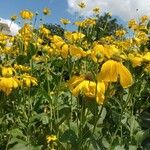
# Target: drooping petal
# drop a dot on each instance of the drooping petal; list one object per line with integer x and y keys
{"x": 78, "y": 88}
{"x": 109, "y": 71}
{"x": 75, "y": 80}
{"x": 64, "y": 51}
{"x": 89, "y": 88}
{"x": 125, "y": 76}
{"x": 146, "y": 57}
{"x": 100, "y": 93}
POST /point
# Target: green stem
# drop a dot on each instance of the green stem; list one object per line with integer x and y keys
{"x": 130, "y": 95}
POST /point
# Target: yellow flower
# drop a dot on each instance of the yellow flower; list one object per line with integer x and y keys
{"x": 106, "y": 50}
{"x": 64, "y": 21}
{"x": 120, "y": 33}
{"x": 77, "y": 36}
{"x": 13, "y": 18}
{"x": 26, "y": 14}
{"x": 51, "y": 138}
{"x": 91, "y": 89}
{"x": 144, "y": 18}
{"x": 29, "y": 80}
{"x": 7, "y": 71}
{"x": 97, "y": 54}
{"x": 44, "y": 30}
{"x": 78, "y": 23}
{"x": 87, "y": 22}
{"x": 7, "y": 84}
{"x": 96, "y": 10}
{"x": 21, "y": 67}
{"x": 46, "y": 11}
{"x": 57, "y": 41}
{"x": 77, "y": 52}
{"x": 26, "y": 33}
{"x": 74, "y": 36}
{"x": 135, "y": 60}
{"x": 132, "y": 24}
{"x": 82, "y": 5}
{"x": 112, "y": 70}
{"x": 110, "y": 50}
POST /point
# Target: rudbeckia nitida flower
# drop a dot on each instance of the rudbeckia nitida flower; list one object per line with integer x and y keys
{"x": 46, "y": 11}
{"x": 7, "y": 71}
{"x": 90, "y": 89}
{"x": 99, "y": 51}
{"x": 64, "y": 21}
{"x": 51, "y": 138}
{"x": 7, "y": 84}
{"x": 135, "y": 60}
{"x": 82, "y": 5}
{"x": 26, "y": 14}
{"x": 112, "y": 70}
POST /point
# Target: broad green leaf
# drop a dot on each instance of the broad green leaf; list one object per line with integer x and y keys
{"x": 132, "y": 147}
{"x": 119, "y": 148}
{"x": 69, "y": 136}
{"x": 105, "y": 143}
{"x": 20, "y": 146}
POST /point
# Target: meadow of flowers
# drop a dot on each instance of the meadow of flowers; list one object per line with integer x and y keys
{"x": 75, "y": 92}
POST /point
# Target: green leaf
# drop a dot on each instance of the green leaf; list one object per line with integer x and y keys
{"x": 105, "y": 143}
{"x": 134, "y": 125}
{"x": 20, "y": 146}
{"x": 132, "y": 147}
{"x": 92, "y": 106}
{"x": 69, "y": 136}
{"x": 139, "y": 136}
{"x": 16, "y": 132}
{"x": 22, "y": 59}
{"x": 31, "y": 50}
{"x": 16, "y": 140}
{"x": 119, "y": 148}
{"x": 44, "y": 118}
{"x": 148, "y": 24}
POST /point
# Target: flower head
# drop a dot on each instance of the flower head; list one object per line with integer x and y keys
{"x": 112, "y": 70}
{"x": 51, "y": 138}
{"x": 96, "y": 10}
{"x": 64, "y": 21}
{"x": 82, "y": 5}
{"x": 13, "y": 18}
{"x": 46, "y": 11}
{"x": 26, "y": 14}
{"x": 7, "y": 84}
{"x": 91, "y": 89}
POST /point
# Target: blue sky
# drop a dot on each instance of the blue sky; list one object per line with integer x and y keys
{"x": 13, "y": 7}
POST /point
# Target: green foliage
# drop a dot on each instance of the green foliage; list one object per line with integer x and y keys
{"x": 106, "y": 25}
{"x": 55, "y": 29}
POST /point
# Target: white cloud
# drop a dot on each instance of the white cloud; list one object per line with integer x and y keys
{"x": 126, "y": 9}
{"x": 13, "y": 26}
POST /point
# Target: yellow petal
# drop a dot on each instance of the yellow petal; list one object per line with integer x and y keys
{"x": 100, "y": 93}
{"x": 74, "y": 81}
{"x": 89, "y": 88}
{"x": 64, "y": 51}
{"x": 125, "y": 76}
{"x": 146, "y": 57}
{"x": 78, "y": 88}
{"x": 109, "y": 71}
